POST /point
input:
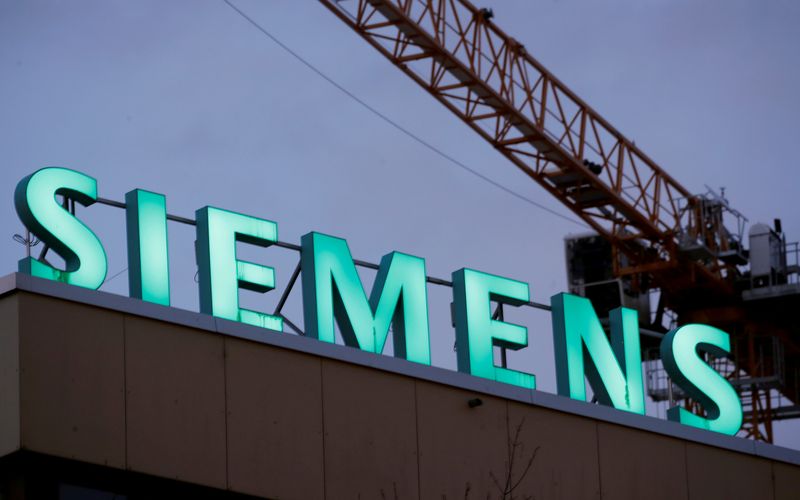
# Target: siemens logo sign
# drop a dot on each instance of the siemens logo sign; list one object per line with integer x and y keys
{"x": 333, "y": 295}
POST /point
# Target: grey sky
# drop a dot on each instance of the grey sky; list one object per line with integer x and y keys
{"x": 187, "y": 99}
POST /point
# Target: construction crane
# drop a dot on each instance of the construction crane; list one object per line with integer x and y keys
{"x": 655, "y": 235}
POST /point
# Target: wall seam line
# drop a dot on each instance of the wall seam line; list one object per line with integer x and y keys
{"x": 509, "y": 446}
{"x": 20, "y": 438}
{"x": 686, "y": 470}
{"x": 599, "y": 460}
{"x": 125, "y": 385}
{"x": 225, "y": 409}
{"x": 772, "y": 477}
{"x": 416, "y": 433}
{"x": 324, "y": 438}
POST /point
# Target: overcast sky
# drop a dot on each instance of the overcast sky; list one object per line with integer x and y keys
{"x": 187, "y": 99}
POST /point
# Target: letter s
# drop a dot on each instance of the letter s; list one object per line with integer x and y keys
{"x": 679, "y": 352}
{"x": 37, "y": 207}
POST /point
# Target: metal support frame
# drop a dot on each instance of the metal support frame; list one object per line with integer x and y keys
{"x": 298, "y": 269}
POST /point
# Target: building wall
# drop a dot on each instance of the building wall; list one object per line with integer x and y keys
{"x": 117, "y": 389}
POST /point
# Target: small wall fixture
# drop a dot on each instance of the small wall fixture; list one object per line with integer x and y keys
{"x": 475, "y": 402}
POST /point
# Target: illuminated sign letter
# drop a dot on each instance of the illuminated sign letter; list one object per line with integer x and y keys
{"x": 679, "y": 351}
{"x": 37, "y": 207}
{"x": 148, "y": 263}
{"x": 333, "y": 290}
{"x": 477, "y": 333}
{"x": 575, "y": 327}
{"x": 221, "y": 274}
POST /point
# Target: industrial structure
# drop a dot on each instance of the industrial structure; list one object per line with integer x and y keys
{"x": 683, "y": 252}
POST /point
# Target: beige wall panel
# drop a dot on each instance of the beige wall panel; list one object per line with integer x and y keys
{"x": 274, "y": 421}
{"x": 9, "y": 375}
{"x": 566, "y": 465}
{"x": 370, "y": 433}
{"x": 459, "y": 446}
{"x": 726, "y": 475}
{"x": 175, "y": 402}
{"x": 636, "y": 464}
{"x": 72, "y": 377}
{"x": 787, "y": 481}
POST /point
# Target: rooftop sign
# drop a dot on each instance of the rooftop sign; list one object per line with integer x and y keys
{"x": 333, "y": 295}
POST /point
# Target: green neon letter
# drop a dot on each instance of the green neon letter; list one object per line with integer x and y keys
{"x": 148, "y": 264}
{"x": 333, "y": 290}
{"x": 575, "y": 327}
{"x": 477, "y": 333}
{"x": 38, "y": 209}
{"x": 679, "y": 351}
{"x": 221, "y": 274}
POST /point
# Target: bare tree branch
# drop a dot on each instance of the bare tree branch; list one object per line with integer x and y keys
{"x": 516, "y": 449}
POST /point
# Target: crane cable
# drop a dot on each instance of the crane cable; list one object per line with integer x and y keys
{"x": 396, "y": 125}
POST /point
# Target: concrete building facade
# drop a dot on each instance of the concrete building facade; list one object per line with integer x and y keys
{"x": 106, "y": 395}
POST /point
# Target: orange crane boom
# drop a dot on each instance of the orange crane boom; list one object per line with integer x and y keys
{"x": 488, "y": 79}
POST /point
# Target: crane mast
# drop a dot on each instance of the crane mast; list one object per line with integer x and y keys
{"x": 661, "y": 236}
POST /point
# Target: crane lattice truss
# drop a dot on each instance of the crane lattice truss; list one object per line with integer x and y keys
{"x": 489, "y": 80}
